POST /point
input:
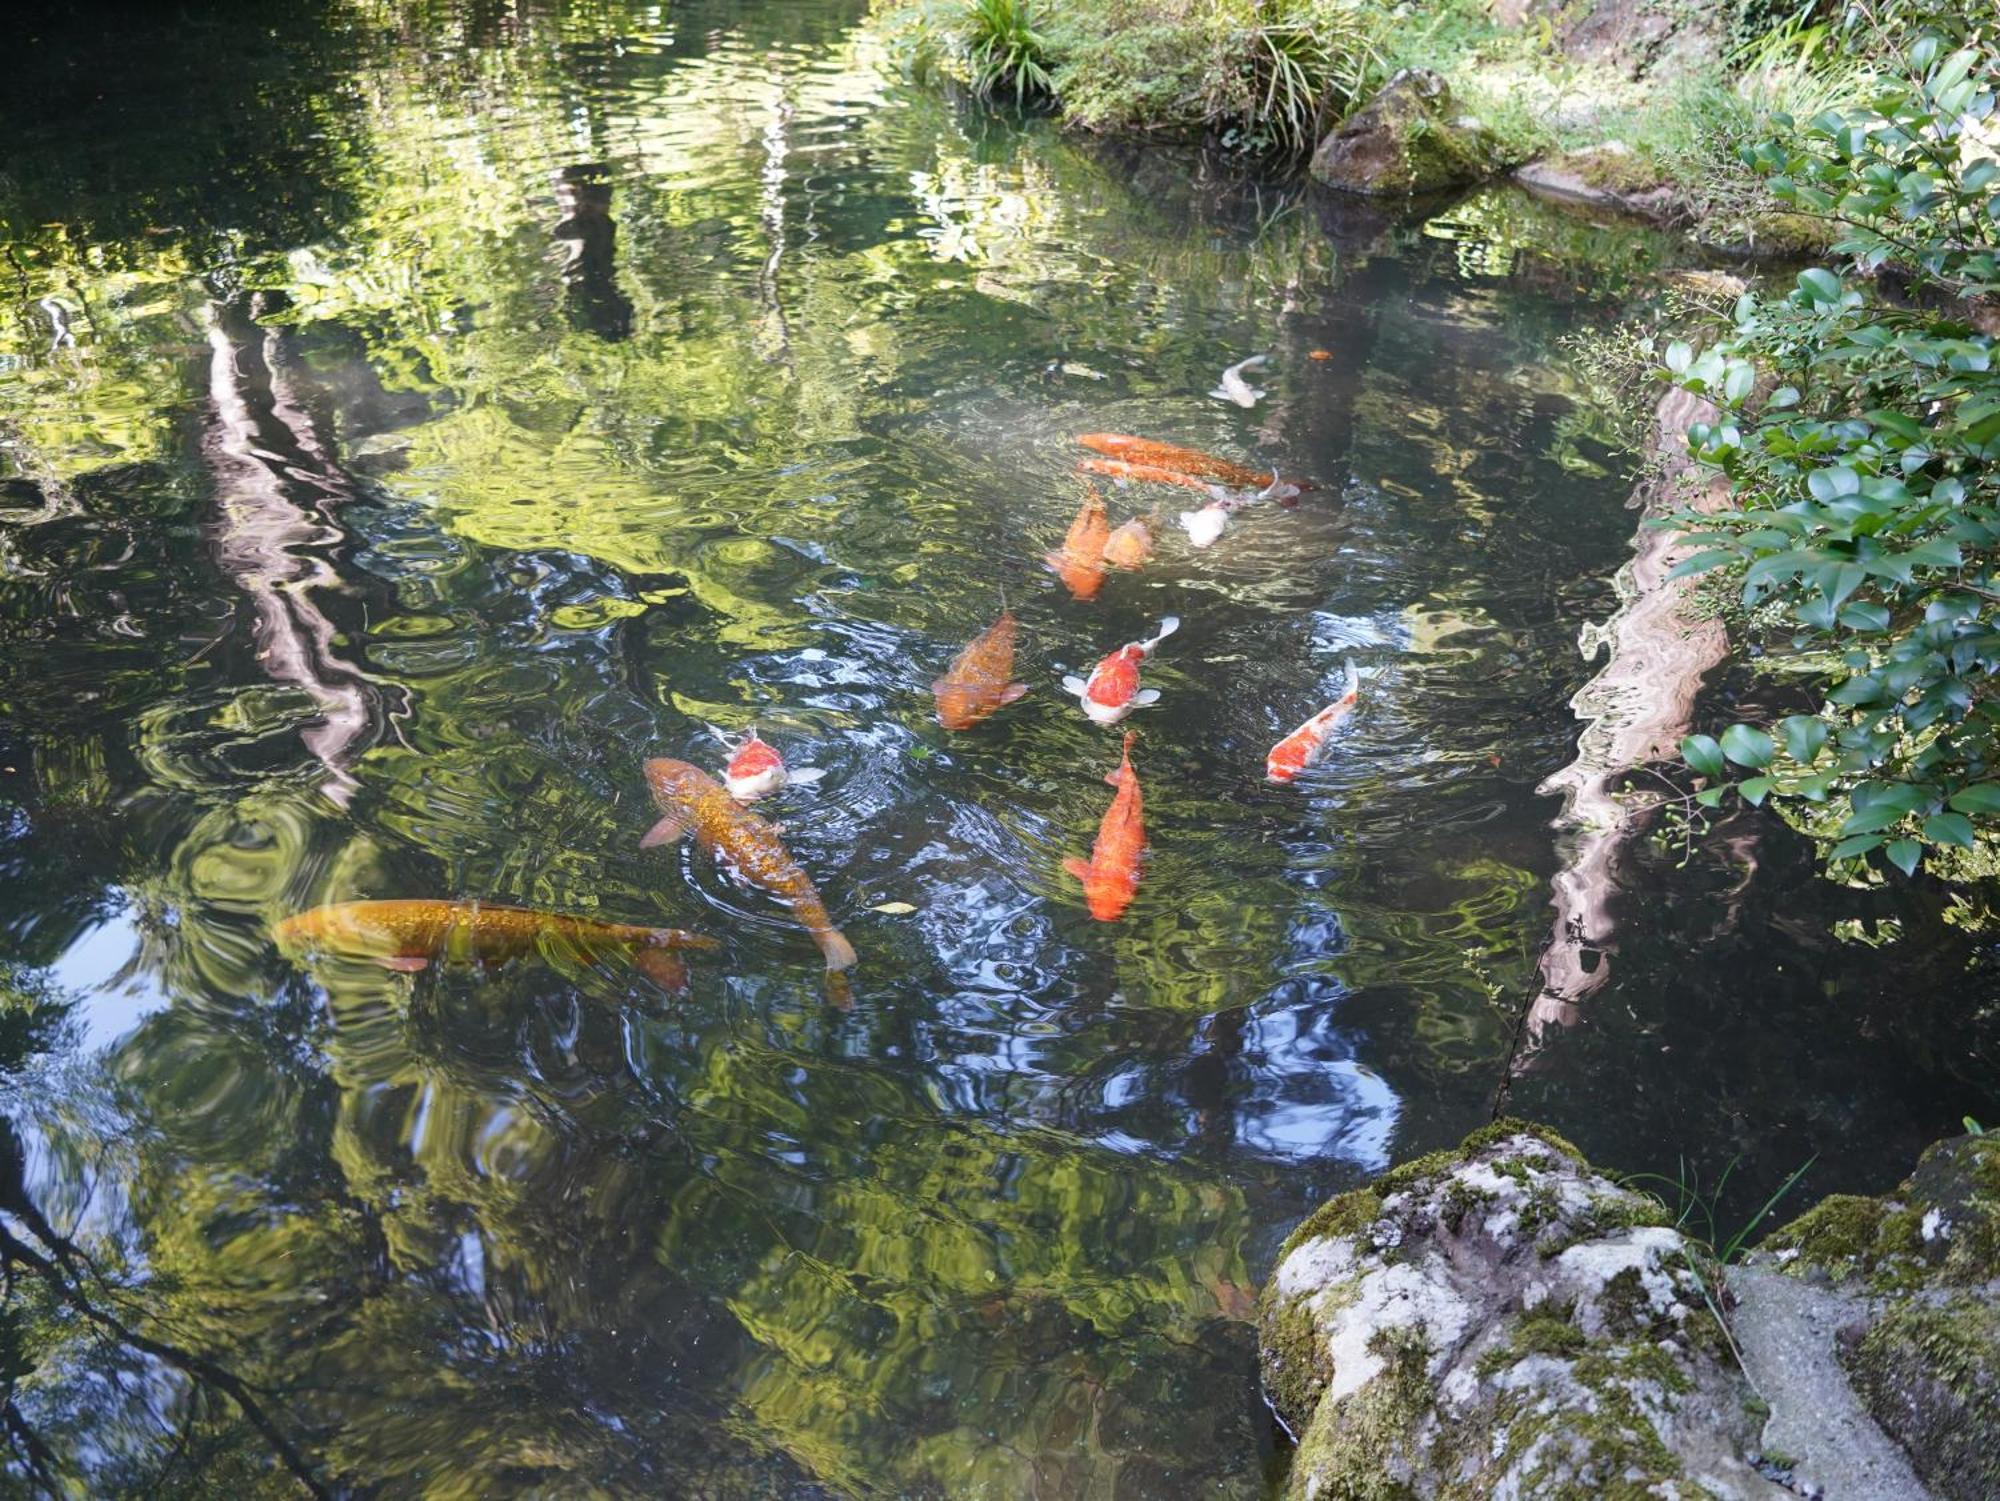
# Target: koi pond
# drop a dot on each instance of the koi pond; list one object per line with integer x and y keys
{"x": 416, "y": 414}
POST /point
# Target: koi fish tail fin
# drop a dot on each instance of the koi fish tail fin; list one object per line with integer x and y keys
{"x": 728, "y": 740}
{"x": 805, "y": 776}
{"x": 839, "y": 952}
{"x": 1254, "y": 362}
{"x": 1353, "y": 681}
{"x": 1078, "y": 868}
{"x": 1168, "y": 626}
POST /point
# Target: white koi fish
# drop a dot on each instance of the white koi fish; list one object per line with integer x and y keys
{"x": 1235, "y": 388}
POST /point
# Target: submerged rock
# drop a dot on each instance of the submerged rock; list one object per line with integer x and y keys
{"x": 1502, "y": 1320}
{"x": 1407, "y": 139}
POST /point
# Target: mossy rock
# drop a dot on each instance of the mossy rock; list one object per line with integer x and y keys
{"x": 1930, "y": 1374}
{"x": 1407, "y": 140}
{"x": 1940, "y": 1227}
{"x": 1496, "y": 1319}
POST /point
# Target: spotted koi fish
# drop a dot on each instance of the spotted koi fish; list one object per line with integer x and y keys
{"x": 1305, "y": 745}
{"x": 693, "y": 802}
{"x": 977, "y": 683}
{"x": 756, "y": 769}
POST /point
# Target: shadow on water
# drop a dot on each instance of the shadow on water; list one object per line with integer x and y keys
{"x": 464, "y": 402}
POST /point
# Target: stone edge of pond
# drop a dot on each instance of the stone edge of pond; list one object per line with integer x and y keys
{"x": 1502, "y": 1318}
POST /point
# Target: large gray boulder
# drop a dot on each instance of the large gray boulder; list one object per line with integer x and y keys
{"x": 1407, "y": 139}
{"x": 1501, "y": 1320}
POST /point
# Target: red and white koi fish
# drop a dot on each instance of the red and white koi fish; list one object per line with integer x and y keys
{"x": 756, "y": 769}
{"x": 1305, "y": 745}
{"x": 1111, "y": 877}
{"x": 1113, "y": 690}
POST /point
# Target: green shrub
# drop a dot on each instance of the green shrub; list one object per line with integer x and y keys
{"x": 1861, "y": 436}
{"x": 1265, "y": 77}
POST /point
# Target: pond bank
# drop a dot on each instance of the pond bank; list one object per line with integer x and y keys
{"x": 1504, "y": 1319}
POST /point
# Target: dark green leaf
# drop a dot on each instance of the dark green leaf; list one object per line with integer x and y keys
{"x": 1747, "y": 745}
{"x": 1703, "y": 754}
{"x": 1948, "y": 828}
{"x": 1980, "y": 798}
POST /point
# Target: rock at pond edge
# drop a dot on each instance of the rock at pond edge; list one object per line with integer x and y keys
{"x": 1501, "y": 1319}
{"x": 1407, "y": 140}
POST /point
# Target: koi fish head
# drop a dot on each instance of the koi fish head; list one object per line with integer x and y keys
{"x": 676, "y": 784}
{"x": 756, "y": 770}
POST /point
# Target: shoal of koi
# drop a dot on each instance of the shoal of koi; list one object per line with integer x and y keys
{"x": 407, "y": 935}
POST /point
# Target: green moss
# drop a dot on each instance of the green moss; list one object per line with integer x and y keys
{"x": 1835, "y": 1233}
{"x": 1547, "y": 1329}
{"x": 1460, "y": 1200}
{"x": 1930, "y": 1373}
{"x": 1436, "y": 1164}
{"x": 1344, "y": 1217}
{"x": 1614, "y": 171}
{"x": 1296, "y": 1363}
{"x": 1356, "y": 1454}
{"x": 1610, "y": 1214}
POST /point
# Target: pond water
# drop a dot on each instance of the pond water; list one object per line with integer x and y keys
{"x": 417, "y": 415}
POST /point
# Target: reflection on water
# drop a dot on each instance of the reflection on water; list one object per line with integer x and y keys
{"x": 524, "y": 390}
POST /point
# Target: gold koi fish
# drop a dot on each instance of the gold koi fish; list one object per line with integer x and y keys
{"x": 693, "y": 802}
{"x": 407, "y": 935}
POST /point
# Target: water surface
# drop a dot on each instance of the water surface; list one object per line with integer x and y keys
{"x": 463, "y": 403}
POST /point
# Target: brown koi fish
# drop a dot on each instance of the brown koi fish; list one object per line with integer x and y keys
{"x": 1080, "y": 563}
{"x": 1111, "y": 877}
{"x": 977, "y": 683}
{"x": 693, "y": 802}
{"x": 408, "y": 935}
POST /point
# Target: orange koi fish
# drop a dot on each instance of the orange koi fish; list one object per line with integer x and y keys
{"x": 1130, "y": 472}
{"x": 977, "y": 683}
{"x": 1080, "y": 563}
{"x": 1113, "y": 690}
{"x": 407, "y": 935}
{"x": 1305, "y": 745}
{"x": 756, "y": 769}
{"x": 692, "y": 801}
{"x": 1189, "y": 463}
{"x": 1111, "y": 878}
{"x": 1130, "y": 545}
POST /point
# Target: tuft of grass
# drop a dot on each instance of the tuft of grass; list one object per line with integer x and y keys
{"x": 1003, "y": 49}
